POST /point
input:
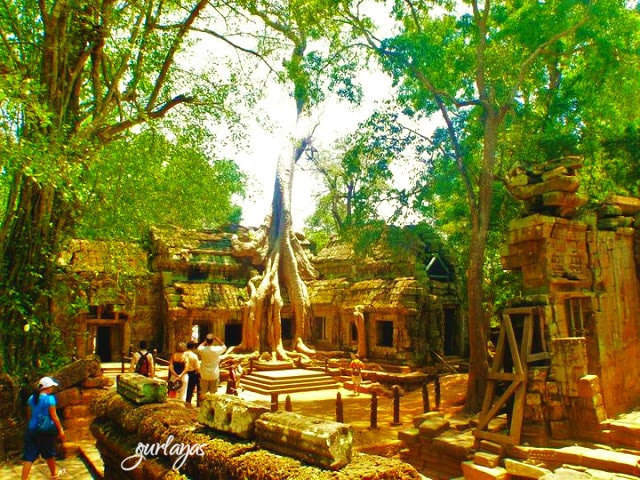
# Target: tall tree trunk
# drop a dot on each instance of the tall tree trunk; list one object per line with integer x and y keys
{"x": 478, "y": 320}
{"x": 32, "y": 232}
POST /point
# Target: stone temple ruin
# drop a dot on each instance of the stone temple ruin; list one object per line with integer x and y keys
{"x": 581, "y": 294}
{"x": 191, "y": 283}
{"x": 566, "y": 364}
{"x": 566, "y": 361}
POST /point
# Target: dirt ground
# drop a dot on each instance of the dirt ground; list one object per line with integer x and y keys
{"x": 357, "y": 410}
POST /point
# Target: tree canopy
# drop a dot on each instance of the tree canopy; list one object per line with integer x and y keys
{"x": 491, "y": 71}
{"x": 84, "y": 87}
{"x": 75, "y": 77}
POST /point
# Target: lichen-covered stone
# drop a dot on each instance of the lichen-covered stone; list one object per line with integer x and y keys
{"x": 230, "y": 414}
{"x": 315, "y": 441}
{"x": 141, "y": 389}
{"x": 76, "y": 372}
{"x": 225, "y": 457}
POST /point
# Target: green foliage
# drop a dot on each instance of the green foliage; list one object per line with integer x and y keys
{"x": 547, "y": 71}
{"x": 319, "y": 58}
{"x": 359, "y": 178}
{"x": 73, "y": 78}
{"x": 146, "y": 180}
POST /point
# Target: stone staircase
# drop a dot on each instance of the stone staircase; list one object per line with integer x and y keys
{"x": 287, "y": 381}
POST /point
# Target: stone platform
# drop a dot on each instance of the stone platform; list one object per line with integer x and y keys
{"x": 287, "y": 381}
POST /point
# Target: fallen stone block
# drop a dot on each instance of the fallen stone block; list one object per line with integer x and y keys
{"x": 315, "y": 441}
{"x": 75, "y": 372}
{"x": 230, "y": 414}
{"x": 141, "y": 389}
{"x": 418, "y": 419}
{"x": 485, "y": 459}
{"x": 472, "y": 471}
{"x": 524, "y": 470}
{"x": 433, "y": 427}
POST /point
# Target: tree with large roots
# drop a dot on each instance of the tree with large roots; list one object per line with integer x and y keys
{"x": 285, "y": 266}
{"x": 284, "y": 263}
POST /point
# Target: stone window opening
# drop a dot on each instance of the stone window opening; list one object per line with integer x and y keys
{"x": 320, "y": 328}
{"x": 576, "y": 310}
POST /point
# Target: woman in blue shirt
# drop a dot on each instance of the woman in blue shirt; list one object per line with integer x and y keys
{"x": 42, "y": 428}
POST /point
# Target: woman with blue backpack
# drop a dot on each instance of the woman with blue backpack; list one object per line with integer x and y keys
{"x": 43, "y": 426}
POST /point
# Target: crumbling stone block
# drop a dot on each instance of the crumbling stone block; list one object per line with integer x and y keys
{"x": 525, "y": 470}
{"x": 418, "y": 419}
{"x": 230, "y": 414}
{"x": 141, "y": 389}
{"x": 588, "y": 386}
{"x": 478, "y": 472}
{"x": 490, "y": 460}
{"x": 315, "y": 441}
{"x": 560, "y": 430}
{"x": 432, "y": 427}
{"x": 68, "y": 396}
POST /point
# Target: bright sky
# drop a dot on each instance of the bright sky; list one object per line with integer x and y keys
{"x": 335, "y": 121}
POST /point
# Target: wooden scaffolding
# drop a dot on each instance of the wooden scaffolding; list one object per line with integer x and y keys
{"x": 507, "y": 377}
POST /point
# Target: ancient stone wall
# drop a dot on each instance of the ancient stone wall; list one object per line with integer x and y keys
{"x": 616, "y": 317}
{"x": 585, "y": 282}
{"x": 81, "y": 383}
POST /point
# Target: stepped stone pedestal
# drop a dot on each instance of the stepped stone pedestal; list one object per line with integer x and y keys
{"x": 287, "y": 381}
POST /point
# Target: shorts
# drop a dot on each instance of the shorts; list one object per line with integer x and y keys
{"x": 39, "y": 444}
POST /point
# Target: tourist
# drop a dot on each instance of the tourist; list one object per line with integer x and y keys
{"x": 210, "y": 351}
{"x": 142, "y": 361}
{"x": 43, "y": 425}
{"x": 356, "y": 373}
{"x": 178, "y": 373}
{"x": 193, "y": 371}
{"x": 235, "y": 371}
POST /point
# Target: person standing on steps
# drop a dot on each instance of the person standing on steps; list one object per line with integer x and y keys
{"x": 210, "y": 351}
{"x": 43, "y": 425}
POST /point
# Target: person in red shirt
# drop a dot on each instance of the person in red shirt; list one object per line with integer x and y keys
{"x": 356, "y": 373}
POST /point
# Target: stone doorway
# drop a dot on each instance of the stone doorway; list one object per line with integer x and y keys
{"x": 452, "y": 334}
{"x": 232, "y": 334}
{"x": 103, "y": 343}
{"x": 108, "y": 333}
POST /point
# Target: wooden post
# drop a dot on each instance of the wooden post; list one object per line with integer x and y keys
{"x": 437, "y": 388}
{"x": 287, "y": 404}
{"x": 374, "y": 410}
{"x": 122, "y": 364}
{"x": 396, "y": 405}
{"x": 339, "y": 408}
{"x": 425, "y": 398}
{"x": 251, "y": 364}
{"x": 274, "y": 402}
{"x": 326, "y": 366}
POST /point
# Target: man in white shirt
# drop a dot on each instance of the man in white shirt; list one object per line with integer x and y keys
{"x": 210, "y": 351}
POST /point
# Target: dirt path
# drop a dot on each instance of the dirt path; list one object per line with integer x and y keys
{"x": 357, "y": 409}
